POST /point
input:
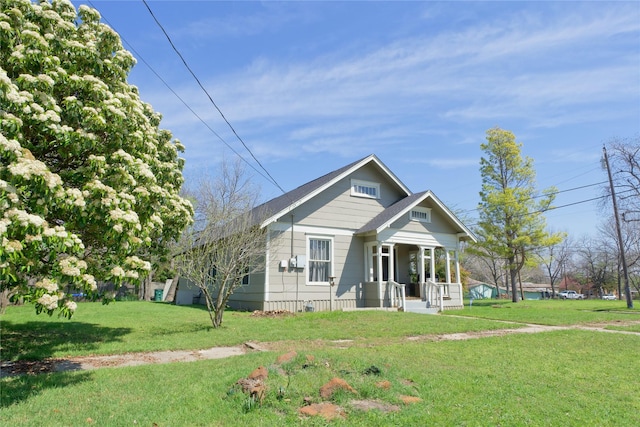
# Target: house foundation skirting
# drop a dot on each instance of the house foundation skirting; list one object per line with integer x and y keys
{"x": 296, "y": 306}
{"x": 452, "y": 307}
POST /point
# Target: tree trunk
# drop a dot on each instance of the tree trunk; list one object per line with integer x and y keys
{"x": 4, "y": 300}
{"x": 514, "y": 283}
{"x": 520, "y": 283}
{"x": 218, "y": 317}
{"x": 147, "y": 286}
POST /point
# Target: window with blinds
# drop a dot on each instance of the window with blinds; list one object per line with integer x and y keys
{"x": 420, "y": 214}
{"x": 365, "y": 189}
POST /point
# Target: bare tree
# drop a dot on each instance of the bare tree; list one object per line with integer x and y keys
{"x": 554, "y": 259}
{"x": 624, "y": 159}
{"x": 631, "y": 241}
{"x": 487, "y": 266}
{"x": 226, "y": 243}
{"x": 623, "y": 167}
{"x": 597, "y": 264}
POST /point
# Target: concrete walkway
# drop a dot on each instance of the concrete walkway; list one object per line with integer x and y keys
{"x": 83, "y": 363}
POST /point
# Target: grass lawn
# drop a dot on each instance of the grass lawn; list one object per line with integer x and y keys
{"x": 569, "y": 377}
{"x": 552, "y": 312}
{"x": 136, "y": 326}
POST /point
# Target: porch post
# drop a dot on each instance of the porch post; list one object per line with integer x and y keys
{"x": 457, "y": 259}
{"x": 432, "y": 264}
{"x": 448, "y": 266}
{"x": 422, "y": 280}
{"x": 432, "y": 272}
{"x": 390, "y": 263}
{"x": 379, "y": 263}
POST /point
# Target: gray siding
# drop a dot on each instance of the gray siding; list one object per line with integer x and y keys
{"x": 291, "y": 284}
{"x": 335, "y": 207}
{"x": 439, "y": 222}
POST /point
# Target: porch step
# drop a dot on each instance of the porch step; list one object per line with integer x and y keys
{"x": 419, "y": 306}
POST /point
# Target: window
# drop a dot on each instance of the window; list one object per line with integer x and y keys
{"x": 365, "y": 189}
{"x": 420, "y": 214}
{"x": 319, "y": 260}
{"x": 245, "y": 278}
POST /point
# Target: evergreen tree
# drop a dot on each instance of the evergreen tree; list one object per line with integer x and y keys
{"x": 511, "y": 221}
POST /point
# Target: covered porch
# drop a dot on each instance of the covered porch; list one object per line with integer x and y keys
{"x": 409, "y": 275}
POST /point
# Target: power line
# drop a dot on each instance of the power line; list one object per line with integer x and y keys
{"x": 554, "y": 193}
{"x": 570, "y": 189}
{"x": 209, "y": 96}
{"x": 552, "y": 208}
{"x": 139, "y": 56}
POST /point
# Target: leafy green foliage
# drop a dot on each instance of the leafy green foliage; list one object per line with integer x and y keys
{"x": 511, "y": 223}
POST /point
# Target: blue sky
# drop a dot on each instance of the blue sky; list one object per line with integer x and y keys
{"x": 312, "y": 86}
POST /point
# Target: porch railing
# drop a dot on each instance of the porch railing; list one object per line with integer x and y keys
{"x": 397, "y": 292}
{"x": 440, "y": 290}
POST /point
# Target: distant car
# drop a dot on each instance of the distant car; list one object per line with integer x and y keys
{"x": 570, "y": 295}
{"x": 611, "y": 297}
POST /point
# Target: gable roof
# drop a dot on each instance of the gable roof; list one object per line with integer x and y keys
{"x": 285, "y": 203}
{"x": 385, "y": 218}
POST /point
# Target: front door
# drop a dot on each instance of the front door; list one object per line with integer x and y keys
{"x": 388, "y": 262}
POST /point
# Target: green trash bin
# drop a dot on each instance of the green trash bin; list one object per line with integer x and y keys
{"x": 158, "y": 295}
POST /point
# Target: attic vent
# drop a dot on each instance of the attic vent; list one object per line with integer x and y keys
{"x": 420, "y": 214}
{"x": 365, "y": 189}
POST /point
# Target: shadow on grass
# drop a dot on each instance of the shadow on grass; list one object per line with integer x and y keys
{"x": 488, "y": 302}
{"x": 41, "y": 340}
{"x": 20, "y": 388}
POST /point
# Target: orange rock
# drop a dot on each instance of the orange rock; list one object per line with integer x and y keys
{"x": 254, "y": 387}
{"x": 327, "y": 390}
{"x": 385, "y": 385}
{"x": 410, "y": 399}
{"x": 287, "y": 357}
{"x": 260, "y": 373}
{"x": 328, "y": 411}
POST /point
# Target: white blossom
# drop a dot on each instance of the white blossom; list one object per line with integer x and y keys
{"x": 11, "y": 246}
{"x": 91, "y": 281}
{"x": 72, "y": 266}
{"x": 117, "y": 271}
{"x": 49, "y": 301}
{"x": 47, "y": 284}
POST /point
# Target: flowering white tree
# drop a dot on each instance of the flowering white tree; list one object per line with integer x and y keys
{"x": 88, "y": 181}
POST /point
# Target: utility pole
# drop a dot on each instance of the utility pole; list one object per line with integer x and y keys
{"x": 625, "y": 272}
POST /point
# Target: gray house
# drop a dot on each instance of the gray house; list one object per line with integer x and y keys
{"x": 356, "y": 237}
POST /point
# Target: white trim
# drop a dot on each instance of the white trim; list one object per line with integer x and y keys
{"x": 429, "y": 195}
{"x": 444, "y": 240}
{"x": 311, "y": 229}
{"x": 356, "y": 183}
{"x": 308, "y": 237}
{"x": 267, "y": 258}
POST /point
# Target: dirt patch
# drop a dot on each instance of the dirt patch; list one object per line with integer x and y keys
{"x": 27, "y": 367}
{"x": 272, "y": 313}
{"x": 85, "y": 363}
{"x": 328, "y": 411}
{"x": 368, "y": 405}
